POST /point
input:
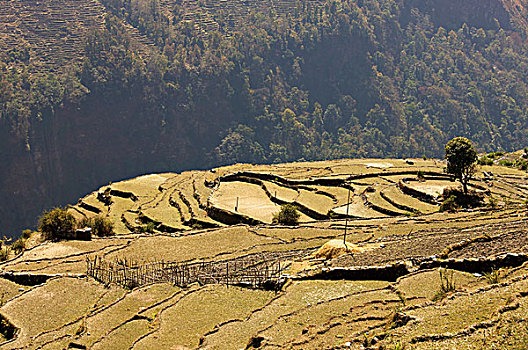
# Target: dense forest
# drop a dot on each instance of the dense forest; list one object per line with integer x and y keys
{"x": 364, "y": 78}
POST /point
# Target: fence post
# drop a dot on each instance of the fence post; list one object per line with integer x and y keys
{"x": 227, "y": 273}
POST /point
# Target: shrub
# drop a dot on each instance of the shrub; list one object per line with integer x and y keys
{"x": 447, "y": 285}
{"x": 521, "y": 164}
{"x": 197, "y": 226}
{"x": 493, "y": 203}
{"x": 494, "y": 155}
{"x": 148, "y": 228}
{"x": 18, "y": 246}
{"x": 450, "y": 204}
{"x": 397, "y": 346}
{"x": 4, "y": 253}
{"x": 100, "y": 226}
{"x": 471, "y": 199}
{"x": 332, "y": 214}
{"x": 485, "y": 161}
{"x": 56, "y": 221}
{"x": 288, "y": 215}
{"x": 506, "y": 162}
{"x": 493, "y": 277}
{"x": 26, "y": 234}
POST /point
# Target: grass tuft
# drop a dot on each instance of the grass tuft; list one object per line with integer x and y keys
{"x": 447, "y": 284}
{"x": 493, "y": 277}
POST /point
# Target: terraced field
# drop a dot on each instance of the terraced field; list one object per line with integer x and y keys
{"x": 53, "y": 31}
{"x": 177, "y": 203}
{"x": 385, "y": 294}
{"x": 204, "y": 15}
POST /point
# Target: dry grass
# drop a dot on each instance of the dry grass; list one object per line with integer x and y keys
{"x": 396, "y": 195}
{"x": 53, "y": 305}
{"x": 424, "y": 285}
{"x": 297, "y": 297}
{"x": 143, "y": 186}
{"x": 252, "y": 200}
{"x": 334, "y": 248}
{"x": 317, "y": 202}
{"x": 124, "y": 336}
{"x": 376, "y": 199}
{"x": 358, "y": 208}
{"x": 197, "y": 246}
{"x": 9, "y": 289}
{"x": 289, "y": 328}
{"x": 457, "y": 313}
{"x": 281, "y": 192}
{"x": 434, "y": 188}
{"x": 99, "y": 324}
{"x": 306, "y": 314}
{"x": 199, "y": 312}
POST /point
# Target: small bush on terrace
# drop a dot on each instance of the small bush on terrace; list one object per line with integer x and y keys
{"x": 148, "y": 228}
{"x": 288, "y": 215}
{"x": 485, "y": 161}
{"x": 521, "y": 164}
{"x": 4, "y": 253}
{"x": 447, "y": 284}
{"x": 18, "y": 246}
{"x": 506, "y": 162}
{"x": 26, "y": 233}
{"x": 493, "y": 277}
{"x": 56, "y": 221}
{"x": 455, "y": 198}
{"x": 495, "y": 155}
{"x": 100, "y": 226}
{"x": 450, "y": 204}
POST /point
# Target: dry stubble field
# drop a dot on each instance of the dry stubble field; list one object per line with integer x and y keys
{"x": 387, "y": 294}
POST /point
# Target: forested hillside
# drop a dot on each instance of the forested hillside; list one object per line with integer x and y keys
{"x": 93, "y": 91}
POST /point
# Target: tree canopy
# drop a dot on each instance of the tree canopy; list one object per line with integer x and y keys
{"x": 461, "y": 160}
{"x": 288, "y": 215}
{"x": 55, "y": 222}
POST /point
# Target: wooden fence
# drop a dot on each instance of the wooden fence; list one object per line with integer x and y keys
{"x": 249, "y": 273}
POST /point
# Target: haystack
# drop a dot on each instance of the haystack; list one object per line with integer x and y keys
{"x": 335, "y": 248}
